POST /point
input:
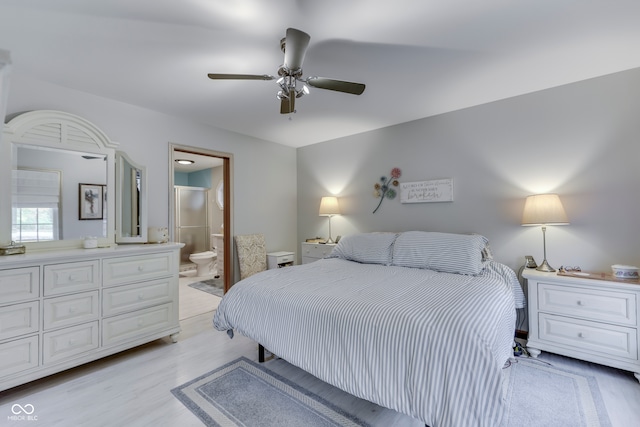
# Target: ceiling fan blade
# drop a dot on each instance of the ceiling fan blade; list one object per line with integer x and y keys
{"x": 295, "y": 47}
{"x": 240, "y": 76}
{"x": 337, "y": 85}
{"x": 287, "y": 105}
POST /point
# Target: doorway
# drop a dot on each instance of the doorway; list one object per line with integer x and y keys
{"x": 206, "y": 175}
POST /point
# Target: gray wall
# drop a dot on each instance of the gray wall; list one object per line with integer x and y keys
{"x": 580, "y": 141}
{"x": 264, "y": 173}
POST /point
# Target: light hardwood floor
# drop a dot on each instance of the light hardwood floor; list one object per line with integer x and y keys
{"x": 133, "y": 388}
{"x": 193, "y": 301}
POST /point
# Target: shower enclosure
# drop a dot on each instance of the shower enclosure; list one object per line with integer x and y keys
{"x": 192, "y": 220}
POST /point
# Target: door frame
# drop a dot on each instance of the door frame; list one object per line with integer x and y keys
{"x": 227, "y": 212}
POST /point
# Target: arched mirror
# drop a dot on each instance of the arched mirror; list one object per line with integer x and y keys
{"x": 62, "y": 184}
{"x": 63, "y": 172}
{"x": 131, "y": 200}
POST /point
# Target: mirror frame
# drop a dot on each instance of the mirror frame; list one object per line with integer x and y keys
{"x": 54, "y": 129}
{"x": 121, "y": 158}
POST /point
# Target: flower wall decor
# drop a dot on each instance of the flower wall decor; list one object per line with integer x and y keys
{"x": 384, "y": 188}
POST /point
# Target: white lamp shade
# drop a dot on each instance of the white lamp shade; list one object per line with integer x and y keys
{"x": 329, "y": 206}
{"x": 544, "y": 209}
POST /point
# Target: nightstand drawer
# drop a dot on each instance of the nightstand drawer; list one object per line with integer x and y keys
{"x": 606, "y": 340}
{"x": 315, "y": 251}
{"x": 593, "y": 304}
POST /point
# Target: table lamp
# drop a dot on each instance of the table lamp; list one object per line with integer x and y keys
{"x": 329, "y": 207}
{"x": 544, "y": 209}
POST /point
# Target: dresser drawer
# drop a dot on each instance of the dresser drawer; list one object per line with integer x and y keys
{"x": 120, "y": 299}
{"x": 18, "y": 356}
{"x": 117, "y": 271}
{"x": 71, "y": 309}
{"x": 601, "y": 338}
{"x": 19, "y": 284}
{"x": 19, "y": 319}
{"x": 137, "y": 324}
{"x": 593, "y": 304}
{"x": 69, "y": 342}
{"x": 314, "y": 251}
{"x": 71, "y": 277}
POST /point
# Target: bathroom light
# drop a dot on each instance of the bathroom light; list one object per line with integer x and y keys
{"x": 185, "y": 161}
{"x": 329, "y": 207}
{"x": 544, "y": 209}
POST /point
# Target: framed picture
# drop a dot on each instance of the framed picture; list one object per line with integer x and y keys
{"x": 90, "y": 201}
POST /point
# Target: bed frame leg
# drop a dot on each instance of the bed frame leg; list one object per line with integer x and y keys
{"x": 260, "y": 353}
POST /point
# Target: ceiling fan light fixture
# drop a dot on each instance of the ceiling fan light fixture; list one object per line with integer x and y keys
{"x": 294, "y": 46}
{"x": 303, "y": 91}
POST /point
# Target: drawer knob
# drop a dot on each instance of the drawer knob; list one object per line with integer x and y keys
{"x": 140, "y": 268}
{"x": 140, "y": 297}
{"x": 581, "y": 335}
{"x": 580, "y": 303}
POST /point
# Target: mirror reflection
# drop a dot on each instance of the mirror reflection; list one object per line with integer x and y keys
{"x": 131, "y": 226}
{"x": 49, "y": 188}
{"x": 131, "y": 176}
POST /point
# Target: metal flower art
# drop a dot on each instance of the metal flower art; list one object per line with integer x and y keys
{"x": 384, "y": 188}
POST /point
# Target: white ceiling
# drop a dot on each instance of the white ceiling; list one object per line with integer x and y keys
{"x": 417, "y": 57}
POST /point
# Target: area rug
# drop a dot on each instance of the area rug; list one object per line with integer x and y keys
{"x": 211, "y": 286}
{"x": 540, "y": 394}
{"x": 243, "y": 393}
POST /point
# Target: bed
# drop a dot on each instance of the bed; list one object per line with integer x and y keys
{"x": 418, "y": 322}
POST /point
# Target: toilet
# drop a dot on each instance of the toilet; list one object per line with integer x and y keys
{"x": 203, "y": 261}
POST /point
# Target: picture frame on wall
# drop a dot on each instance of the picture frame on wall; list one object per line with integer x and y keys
{"x": 90, "y": 201}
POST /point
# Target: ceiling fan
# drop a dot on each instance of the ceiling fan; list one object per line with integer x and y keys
{"x": 290, "y": 80}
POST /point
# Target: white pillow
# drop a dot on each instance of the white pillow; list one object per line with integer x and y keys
{"x": 446, "y": 252}
{"x": 366, "y": 248}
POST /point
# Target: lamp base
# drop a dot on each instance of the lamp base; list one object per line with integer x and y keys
{"x": 545, "y": 267}
{"x": 329, "y": 240}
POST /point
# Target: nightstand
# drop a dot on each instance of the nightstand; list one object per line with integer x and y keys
{"x": 593, "y": 319}
{"x": 280, "y": 259}
{"x": 315, "y": 251}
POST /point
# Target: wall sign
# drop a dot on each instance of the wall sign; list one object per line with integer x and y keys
{"x": 436, "y": 190}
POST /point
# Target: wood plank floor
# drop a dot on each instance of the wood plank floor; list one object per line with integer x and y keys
{"x": 133, "y": 388}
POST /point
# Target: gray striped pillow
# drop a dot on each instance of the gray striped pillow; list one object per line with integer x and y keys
{"x": 446, "y": 252}
{"x": 366, "y": 248}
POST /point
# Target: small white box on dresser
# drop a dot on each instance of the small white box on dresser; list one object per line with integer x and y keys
{"x": 590, "y": 317}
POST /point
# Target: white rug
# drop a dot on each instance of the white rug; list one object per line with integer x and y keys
{"x": 539, "y": 394}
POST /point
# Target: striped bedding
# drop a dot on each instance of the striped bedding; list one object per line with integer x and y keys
{"x": 428, "y": 344}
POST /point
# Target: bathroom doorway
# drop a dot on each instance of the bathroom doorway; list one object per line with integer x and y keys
{"x": 204, "y": 178}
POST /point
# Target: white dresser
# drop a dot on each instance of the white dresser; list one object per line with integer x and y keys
{"x": 589, "y": 319}
{"x": 315, "y": 251}
{"x": 65, "y": 308}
